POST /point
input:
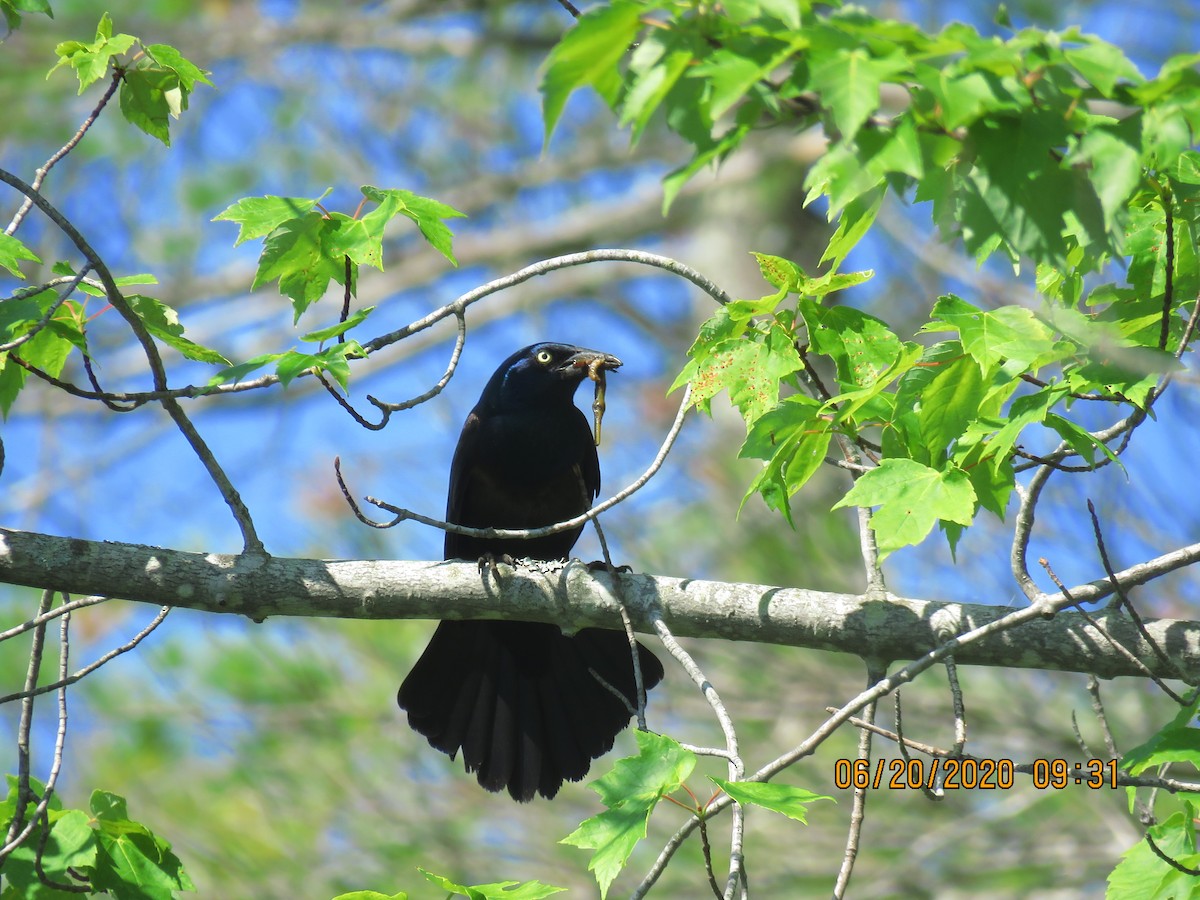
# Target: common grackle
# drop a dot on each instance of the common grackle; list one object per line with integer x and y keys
{"x": 517, "y": 698}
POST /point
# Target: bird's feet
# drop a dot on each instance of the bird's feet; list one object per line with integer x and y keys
{"x": 491, "y": 562}
{"x": 599, "y": 565}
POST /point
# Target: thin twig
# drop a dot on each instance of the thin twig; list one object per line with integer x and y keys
{"x": 44, "y": 170}
{"x": 60, "y": 740}
{"x": 1023, "y": 531}
{"x": 91, "y": 667}
{"x": 736, "y": 766}
{"x": 459, "y": 342}
{"x": 1116, "y": 645}
{"x": 19, "y": 829}
{"x": 960, "y": 709}
{"x": 1119, "y": 595}
{"x": 1093, "y": 686}
{"x": 934, "y": 793}
{"x": 858, "y": 810}
{"x": 1173, "y": 863}
{"x": 627, "y": 623}
{"x": 633, "y": 487}
{"x": 52, "y": 614}
{"x": 72, "y": 284}
{"x": 544, "y": 267}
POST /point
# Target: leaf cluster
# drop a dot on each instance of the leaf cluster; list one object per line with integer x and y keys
{"x": 101, "y": 850}
{"x": 156, "y": 79}
{"x": 1045, "y": 147}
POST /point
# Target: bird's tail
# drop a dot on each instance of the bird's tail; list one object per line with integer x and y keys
{"x": 520, "y": 700}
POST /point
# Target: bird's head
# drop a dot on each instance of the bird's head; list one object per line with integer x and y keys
{"x": 545, "y": 373}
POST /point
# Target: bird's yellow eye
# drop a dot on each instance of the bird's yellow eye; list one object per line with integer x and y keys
{"x": 544, "y": 357}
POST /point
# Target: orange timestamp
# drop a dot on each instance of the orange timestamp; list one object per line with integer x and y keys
{"x": 970, "y": 773}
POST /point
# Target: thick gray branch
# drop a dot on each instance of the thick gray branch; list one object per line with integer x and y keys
{"x": 887, "y": 629}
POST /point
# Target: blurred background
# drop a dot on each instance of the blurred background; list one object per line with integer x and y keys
{"x": 273, "y": 756}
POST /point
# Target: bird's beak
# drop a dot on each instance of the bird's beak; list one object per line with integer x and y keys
{"x": 596, "y": 364}
{"x": 593, "y": 361}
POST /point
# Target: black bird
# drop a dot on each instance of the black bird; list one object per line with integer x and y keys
{"x": 517, "y": 698}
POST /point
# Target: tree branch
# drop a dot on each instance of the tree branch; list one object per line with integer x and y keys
{"x": 887, "y": 629}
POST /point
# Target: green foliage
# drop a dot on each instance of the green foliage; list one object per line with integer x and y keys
{"x": 630, "y": 792}
{"x": 12, "y": 10}
{"x": 307, "y": 246}
{"x": 1144, "y": 875}
{"x": 790, "y": 801}
{"x": 155, "y": 82}
{"x": 500, "y": 890}
{"x": 999, "y": 138}
{"x": 46, "y": 343}
{"x": 102, "y": 850}
{"x": 12, "y": 252}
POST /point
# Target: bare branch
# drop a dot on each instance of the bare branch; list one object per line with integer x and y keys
{"x": 44, "y": 170}
{"x": 67, "y": 680}
{"x": 257, "y": 587}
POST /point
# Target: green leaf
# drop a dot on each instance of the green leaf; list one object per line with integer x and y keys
{"x": 12, "y": 10}
{"x": 1103, "y": 65}
{"x": 860, "y": 345}
{"x": 588, "y": 54}
{"x": 90, "y": 61}
{"x": 294, "y": 254}
{"x": 841, "y": 176}
{"x": 630, "y": 792}
{"x": 1114, "y": 155}
{"x": 674, "y": 180}
{"x": 782, "y": 798}
{"x": 234, "y": 374}
{"x": 187, "y": 71}
{"x": 1081, "y": 440}
{"x": 911, "y": 497}
{"x": 1010, "y": 334}
{"x": 259, "y": 216}
{"x": 1019, "y": 196}
{"x": 163, "y": 322}
{"x": 1026, "y": 410}
{"x": 1172, "y": 744}
{"x": 374, "y": 895}
{"x": 71, "y": 844}
{"x": 150, "y": 98}
{"x": 848, "y": 80}
{"x": 12, "y": 251}
{"x": 1143, "y": 875}
{"x": 740, "y": 64}
{"x": 854, "y": 222}
{"x": 332, "y": 360}
{"x": 131, "y": 860}
{"x": 793, "y": 438}
{"x": 426, "y": 213}
{"x": 49, "y": 348}
{"x": 749, "y": 368}
{"x": 780, "y": 273}
{"x": 655, "y": 68}
{"x": 500, "y": 890}
{"x": 949, "y": 403}
{"x": 12, "y": 379}
{"x": 324, "y": 334}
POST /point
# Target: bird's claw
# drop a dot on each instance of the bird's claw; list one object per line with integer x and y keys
{"x": 491, "y": 562}
{"x": 599, "y": 565}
